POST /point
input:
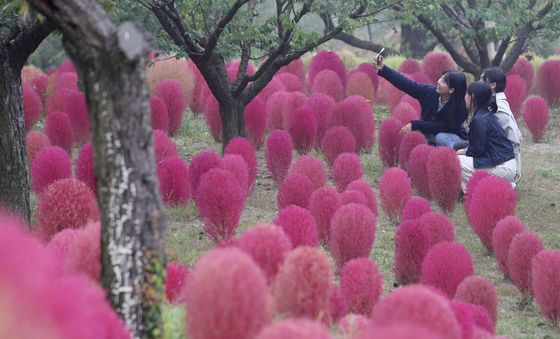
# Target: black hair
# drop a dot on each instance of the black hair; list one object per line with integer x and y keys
{"x": 481, "y": 93}
{"x": 457, "y": 81}
{"x": 497, "y": 75}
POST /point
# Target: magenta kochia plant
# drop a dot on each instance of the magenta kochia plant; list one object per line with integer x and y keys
{"x": 412, "y": 243}
{"x": 444, "y": 173}
{"x": 278, "y": 154}
{"x": 49, "y": 165}
{"x": 546, "y": 283}
{"x": 299, "y": 225}
{"x": 361, "y": 284}
{"x": 394, "y": 191}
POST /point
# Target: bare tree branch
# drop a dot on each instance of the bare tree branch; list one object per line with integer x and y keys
{"x": 28, "y": 40}
{"x": 215, "y": 36}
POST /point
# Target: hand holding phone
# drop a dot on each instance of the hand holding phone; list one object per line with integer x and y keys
{"x": 379, "y": 59}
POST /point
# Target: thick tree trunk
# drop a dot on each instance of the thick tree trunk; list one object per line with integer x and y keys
{"x": 233, "y": 121}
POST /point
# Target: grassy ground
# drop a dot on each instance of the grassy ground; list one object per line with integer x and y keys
{"x": 538, "y": 207}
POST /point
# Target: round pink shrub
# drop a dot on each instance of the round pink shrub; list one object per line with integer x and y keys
{"x": 196, "y": 104}
{"x": 160, "y": 116}
{"x": 479, "y": 291}
{"x": 403, "y": 330}
{"x": 32, "y": 106}
{"x": 326, "y": 60}
{"x": 435, "y": 63}
{"x": 492, "y": 200}
{"x": 237, "y": 166}
{"x": 40, "y": 83}
{"x": 220, "y": 201}
{"x": 295, "y": 67}
{"x": 371, "y": 71}
{"x": 359, "y": 83}
{"x": 312, "y": 168}
{"x": 290, "y": 81}
{"x": 415, "y": 207}
{"x": 321, "y": 105}
{"x": 296, "y": 190}
{"x": 49, "y": 164}
{"x": 303, "y": 129}
{"x": 278, "y": 106}
{"x": 303, "y": 284}
{"x": 232, "y": 69}
{"x": 171, "y": 92}
{"x": 278, "y": 154}
{"x": 420, "y": 78}
{"x": 329, "y": 83}
{"x": 353, "y": 197}
{"x": 535, "y": 115}
{"x": 404, "y": 113}
{"x": 323, "y": 203}
{"x": 346, "y": 168}
{"x": 67, "y": 203}
{"x": 164, "y": 146}
{"x": 59, "y": 130}
{"x": 178, "y": 189}
{"x": 295, "y": 328}
{"x": 66, "y": 66}
{"x": 548, "y": 78}
{"x": 407, "y": 99}
{"x": 337, "y": 140}
{"x": 338, "y": 307}
{"x": 516, "y": 92}
{"x": 444, "y": 173}
{"x": 410, "y": 66}
{"x": 420, "y": 306}
{"x": 212, "y": 117}
{"x": 55, "y": 102}
{"x": 524, "y": 246}
{"x": 85, "y": 167}
{"x": 67, "y": 80}
{"x": 175, "y": 280}
{"x": 364, "y": 188}
{"x": 268, "y": 245}
{"x": 472, "y": 318}
{"x": 361, "y": 284}
{"x": 446, "y": 265}
{"x": 394, "y": 191}
{"x": 503, "y": 234}
{"x": 546, "y": 283}
{"x": 226, "y": 296}
{"x": 477, "y": 176}
{"x": 299, "y": 225}
{"x": 356, "y": 114}
{"x": 524, "y": 68}
{"x": 352, "y": 233}
{"x": 76, "y": 108}
{"x": 439, "y": 226}
{"x": 391, "y": 94}
{"x": 352, "y": 325}
{"x": 243, "y": 147}
{"x": 34, "y": 142}
{"x": 408, "y": 142}
{"x": 389, "y": 141}
{"x": 201, "y": 163}
{"x": 417, "y": 169}
{"x": 273, "y": 86}
{"x": 255, "y": 121}
{"x": 412, "y": 242}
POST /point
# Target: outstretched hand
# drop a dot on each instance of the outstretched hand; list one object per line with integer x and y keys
{"x": 406, "y": 128}
{"x": 378, "y": 62}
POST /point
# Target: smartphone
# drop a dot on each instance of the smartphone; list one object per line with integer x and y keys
{"x": 379, "y": 54}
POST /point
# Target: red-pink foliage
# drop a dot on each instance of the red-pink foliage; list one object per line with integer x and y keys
{"x": 299, "y": 225}
{"x": 410, "y": 66}
{"x": 238, "y": 167}
{"x": 255, "y": 121}
{"x": 326, "y": 60}
{"x": 524, "y": 68}
{"x": 268, "y": 245}
{"x": 389, "y": 141}
{"x": 407, "y": 99}
{"x": 352, "y": 325}
{"x": 67, "y": 80}
{"x": 67, "y": 203}
{"x": 446, "y": 265}
{"x": 439, "y": 226}
{"x": 417, "y": 169}
{"x": 420, "y": 306}
{"x": 175, "y": 281}
{"x": 479, "y": 291}
{"x": 213, "y": 118}
{"x": 535, "y": 115}
{"x": 226, "y": 296}
{"x": 502, "y": 236}
{"x": 329, "y": 83}
{"x": 405, "y": 113}
{"x": 359, "y": 83}
{"x": 361, "y": 284}
{"x": 408, "y": 142}
{"x": 273, "y": 86}
{"x": 59, "y": 130}
{"x": 524, "y": 246}
{"x": 177, "y": 190}
{"x": 346, "y": 168}
{"x": 394, "y": 191}
{"x": 55, "y": 102}
{"x": 296, "y": 67}
{"x": 243, "y": 147}
{"x": 352, "y": 233}
{"x": 472, "y": 318}
{"x": 66, "y": 66}
{"x": 391, "y": 94}
{"x": 415, "y": 207}
{"x": 232, "y": 69}
{"x": 493, "y": 199}
{"x": 444, "y": 173}
{"x": 40, "y": 83}
{"x": 278, "y": 106}
{"x": 32, "y": 106}
{"x": 312, "y": 168}
{"x": 171, "y": 92}
{"x": 164, "y": 146}
{"x": 160, "y": 116}
{"x": 321, "y": 105}
{"x": 323, "y": 203}
{"x": 402, "y": 330}
{"x": 196, "y": 104}
{"x": 412, "y": 242}
{"x": 79, "y": 250}
{"x": 49, "y": 164}
{"x": 363, "y": 187}
{"x": 34, "y": 142}
{"x": 201, "y": 163}
{"x": 477, "y": 176}
{"x": 296, "y": 190}
{"x": 338, "y": 307}
{"x": 303, "y": 283}
{"x": 546, "y": 283}
{"x": 355, "y": 113}
{"x": 220, "y": 201}
{"x": 290, "y": 81}
{"x": 516, "y": 92}
{"x": 302, "y": 126}
{"x": 548, "y": 79}
{"x": 85, "y": 167}
{"x": 353, "y": 197}
{"x": 295, "y": 328}
{"x": 370, "y": 71}
{"x": 420, "y": 78}
{"x": 278, "y": 154}
{"x": 435, "y": 63}
{"x": 76, "y": 108}
{"x": 337, "y": 140}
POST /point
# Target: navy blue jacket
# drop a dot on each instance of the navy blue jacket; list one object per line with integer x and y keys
{"x": 488, "y": 143}
{"x": 433, "y": 122}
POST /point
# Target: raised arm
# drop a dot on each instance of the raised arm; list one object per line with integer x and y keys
{"x": 410, "y": 87}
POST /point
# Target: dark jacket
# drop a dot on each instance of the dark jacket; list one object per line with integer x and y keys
{"x": 488, "y": 143}
{"x": 432, "y": 122}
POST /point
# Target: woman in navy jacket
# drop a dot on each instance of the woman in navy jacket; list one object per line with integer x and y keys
{"x": 489, "y": 148}
{"x": 443, "y": 110}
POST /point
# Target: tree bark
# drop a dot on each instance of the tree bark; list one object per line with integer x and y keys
{"x": 415, "y": 42}
{"x": 111, "y": 61}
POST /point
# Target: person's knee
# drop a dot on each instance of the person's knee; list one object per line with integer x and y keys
{"x": 444, "y": 139}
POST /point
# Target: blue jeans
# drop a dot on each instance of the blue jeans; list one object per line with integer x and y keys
{"x": 447, "y": 139}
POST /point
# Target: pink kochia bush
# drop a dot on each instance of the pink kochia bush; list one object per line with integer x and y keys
{"x": 394, "y": 191}
{"x": 524, "y": 68}
{"x": 255, "y": 121}
{"x": 164, "y": 146}
{"x": 516, "y": 92}
{"x": 296, "y": 190}
{"x": 323, "y": 203}
{"x": 546, "y": 283}
{"x": 418, "y": 170}
{"x": 353, "y": 324}
{"x": 326, "y": 60}
{"x": 278, "y": 107}
{"x": 67, "y": 203}
{"x": 503, "y": 234}
{"x": 299, "y": 225}
{"x": 479, "y": 291}
{"x": 178, "y": 189}
{"x": 359, "y": 83}
{"x": 302, "y": 126}
{"x": 237, "y": 166}
{"x": 268, "y": 245}
{"x": 352, "y": 233}
{"x": 408, "y": 142}
{"x": 346, "y": 168}
{"x": 405, "y": 113}
{"x": 389, "y": 141}
{"x": 171, "y": 92}
{"x": 535, "y": 115}
{"x": 361, "y": 284}
{"x": 76, "y": 108}
{"x": 445, "y": 266}
{"x": 243, "y": 147}
{"x": 201, "y": 163}
{"x": 226, "y": 296}
{"x": 410, "y": 66}
{"x": 492, "y": 200}
{"x": 444, "y": 173}
{"x": 160, "y": 116}
{"x": 524, "y": 246}
{"x": 295, "y": 328}
{"x": 34, "y": 142}
{"x": 439, "y": 226}
{"x": 175, "y": 280}
{"x": 415, "y": 207}
{"x": 59, "y": 130}
{"x": 337, "y": 140}
{"x": 303, "y": 284}
{"x": 273, "y": 86}
{"x": 220, "y": 201}
{"x": 278, "y": 154}
{"x": 363, "y": 187}
{"x": 329, "y": 83}
{"x": 50, "y": 164}
{"x": 213, "y": 118}
{"x": 418, "y": 305}
{"x": 471, "y": 185}
{"x": 356, "y": 114}
{"x": 435, "y": 63}
{"x": 321, "y": 105}
{"x": 412, "y": 242}
{"x": 32, "y": 106}
{"x": 353, "y": 197}
{"x": 337, "y": 307}
{"x": 290, "y": 81}
{"x": 312, "y": 168}
{"x": 473, "y": 319}
{"x": 407, "y": 99}
{"x": 296, "y": 67}
{"x": 548, "y": 79}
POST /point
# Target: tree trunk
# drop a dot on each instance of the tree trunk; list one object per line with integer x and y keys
{"x": 14, "y": 180}
{"x": 233, "y": 122}
{"x": 415, "y": 42}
